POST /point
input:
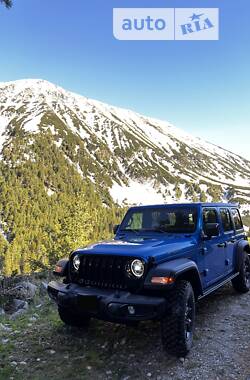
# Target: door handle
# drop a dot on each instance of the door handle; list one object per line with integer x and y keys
{"x": 222, "y": 245}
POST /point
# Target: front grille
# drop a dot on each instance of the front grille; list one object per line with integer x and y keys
{"x": 105, "y": 271}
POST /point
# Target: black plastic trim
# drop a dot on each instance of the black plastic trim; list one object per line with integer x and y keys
{"x": 111, "y": 305}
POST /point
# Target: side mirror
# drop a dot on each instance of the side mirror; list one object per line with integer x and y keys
{"x": 115, "y": 228}
{"x": 211, "y": 229}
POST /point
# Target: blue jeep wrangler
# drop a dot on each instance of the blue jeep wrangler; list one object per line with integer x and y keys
{"x": 162, "y": 259}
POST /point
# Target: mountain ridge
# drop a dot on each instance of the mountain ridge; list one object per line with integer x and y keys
{"x": 68, "y": 161}
{"x": 36, "y": 81}
{"x": 88, "y": 119}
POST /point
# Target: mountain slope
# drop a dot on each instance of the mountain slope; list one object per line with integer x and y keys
{"x": 124, "y": 146}
{"x": 59, "y": 149}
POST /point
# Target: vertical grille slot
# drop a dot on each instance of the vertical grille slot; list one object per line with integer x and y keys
{"x": 103, "y": 271}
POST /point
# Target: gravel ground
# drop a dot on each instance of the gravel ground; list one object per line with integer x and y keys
{"x": 39, "y": 346}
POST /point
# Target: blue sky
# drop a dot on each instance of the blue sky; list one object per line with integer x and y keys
{"x": 202, "y": 87}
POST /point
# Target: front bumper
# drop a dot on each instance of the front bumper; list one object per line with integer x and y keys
{"x": 111, "y": 305}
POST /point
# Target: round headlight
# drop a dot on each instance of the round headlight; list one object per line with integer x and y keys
{"x": 76, "y": 262}
{"x": 137, "y": 268}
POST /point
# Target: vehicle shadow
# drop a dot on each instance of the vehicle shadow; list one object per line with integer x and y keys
{"x": 108, "y": 336}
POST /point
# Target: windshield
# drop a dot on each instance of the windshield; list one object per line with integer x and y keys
{"x": 162, "y": 219}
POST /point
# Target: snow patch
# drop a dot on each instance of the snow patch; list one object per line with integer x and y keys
{"x": 4, "y": 121}
{"x": 136, "y": 193}
{"x": 32, "y": 125}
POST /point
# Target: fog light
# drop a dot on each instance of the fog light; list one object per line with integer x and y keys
{"x": 131, "y": 310}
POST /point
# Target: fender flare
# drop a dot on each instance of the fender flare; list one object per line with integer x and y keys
{"x": 242, "y": 246}
{"x": 184, "y": 268}
{"x": 61, "y": 268}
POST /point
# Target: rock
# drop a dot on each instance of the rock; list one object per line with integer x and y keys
{"x": 32, "y": 319}
{"x": 43, "y": 288}
{"x": 29, "y": 288}
{"x": 5, "y": 341}
{"x": 149, "y": 374}
{"x": 18, "y": 304}
{"x": 4, "y": 328}
{"x": 2, "y": 312}
{"x": 108, "y": 372}
{"x": 24, "y": 290}
{"x": 13, "y": 363}
{"x": 123, "y": 341}
{"x": 52, "y": 352}
{"x": 18, "y": 313}
{"x": 23, "y": 363}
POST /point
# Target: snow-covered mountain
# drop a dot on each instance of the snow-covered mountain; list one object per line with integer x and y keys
{"x": 135, "y": 158}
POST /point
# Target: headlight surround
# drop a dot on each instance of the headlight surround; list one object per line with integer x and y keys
{"x": 137, "y": 268}
{"x": 76, "y": 262}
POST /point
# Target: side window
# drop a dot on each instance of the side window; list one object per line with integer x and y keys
{"x": 226, "y": 220}
{"x": 209, "y": 216}
{"x": 236, "y": 218}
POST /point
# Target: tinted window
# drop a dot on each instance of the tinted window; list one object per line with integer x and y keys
{"x": 166, "y": 219}
{"x": 226, "y": 220}
{"x": 210, "y": 216}
{"x": 237, "y": 219}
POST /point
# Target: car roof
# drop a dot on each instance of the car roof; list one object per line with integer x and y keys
{"x": 198, "y": 204}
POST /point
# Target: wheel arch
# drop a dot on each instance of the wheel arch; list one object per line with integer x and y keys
{"x": 242, "y": 246}
{"x": 193, "y": 277}
{"x": 177, "y": 269}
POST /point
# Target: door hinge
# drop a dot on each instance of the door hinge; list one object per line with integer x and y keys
{"x": 205, "y": 272}
{"x": 227, "y": 261}
{"x": 204, "y": 250}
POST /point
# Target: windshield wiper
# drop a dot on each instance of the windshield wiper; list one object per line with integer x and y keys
{"x": 160, "y": 230}
{"x": 136, "y": 231}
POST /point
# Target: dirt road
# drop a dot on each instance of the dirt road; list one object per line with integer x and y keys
{"x": 38, "y": 346}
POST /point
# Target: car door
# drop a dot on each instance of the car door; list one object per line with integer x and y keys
{"x": 214, "y": 250}
{"x": 229, "y": 237}
{"x": 238, "y": 226}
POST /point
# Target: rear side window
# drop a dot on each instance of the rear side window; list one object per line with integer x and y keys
{"x": 226, "y": 220}
{"x": 209, "y": 216}
{"x": 236, "y": 218}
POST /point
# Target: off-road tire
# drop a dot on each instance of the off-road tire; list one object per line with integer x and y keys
{"x": 241, "y": 283}
{"x": 71, "y": 319}
{"x": 177, "y": 326}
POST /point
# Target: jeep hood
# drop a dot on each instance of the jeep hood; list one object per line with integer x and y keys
{"x": 143, "y": 247}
